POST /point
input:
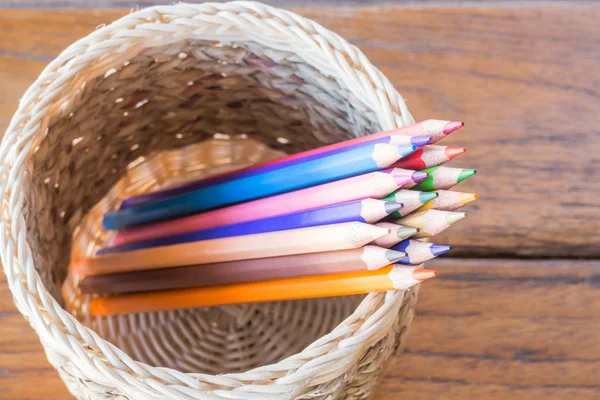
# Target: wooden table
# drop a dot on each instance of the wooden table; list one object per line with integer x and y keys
{"x": 517, "y": 314}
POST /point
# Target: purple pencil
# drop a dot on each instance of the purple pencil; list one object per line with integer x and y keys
{"x": 372, "y": 185}
{"x": 367, "y": 210}
{"x": 418, "y": 252}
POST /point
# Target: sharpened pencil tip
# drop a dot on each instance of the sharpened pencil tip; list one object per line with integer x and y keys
{"x": 451, "y": 126}
{"x": 420, "y": 141}
{"x": 422, "y": 274}
{"x": 390, "y": 206}
{"x": 466, "y": 198}
{"x": 392, "y": 255}
{"x": 424, "y": 197}
{"x": 439, "y": 249}
{"x": 419, "y": 176}
{"x": 405, "y": 231}
{"x": 452, "y": 152}
{"x": 453, "y": 217}
{"x": 464, "y": 174}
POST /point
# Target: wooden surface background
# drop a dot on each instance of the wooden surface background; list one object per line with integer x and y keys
{"x": 516, "y": 315}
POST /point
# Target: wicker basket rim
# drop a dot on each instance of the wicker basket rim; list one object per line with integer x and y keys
{"x": 56, "y": 91}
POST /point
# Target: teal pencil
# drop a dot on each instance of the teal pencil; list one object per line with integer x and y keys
{"x": 411, "y": 200}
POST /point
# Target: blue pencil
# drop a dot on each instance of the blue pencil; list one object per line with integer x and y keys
{"x": 417, "y": 141}
{"x": 342, "y": 165}
{"x": 417, "y": 252}
{"x": 367, "y": 210}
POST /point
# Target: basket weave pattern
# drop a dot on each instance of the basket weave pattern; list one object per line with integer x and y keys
{"x": 146, "y": 88}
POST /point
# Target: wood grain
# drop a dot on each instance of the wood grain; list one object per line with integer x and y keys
{"x": 526, "y": 82}
{"x": 496, "y": 329}
{"x": 488, "y": 329}
{"x": 521, "y": 78}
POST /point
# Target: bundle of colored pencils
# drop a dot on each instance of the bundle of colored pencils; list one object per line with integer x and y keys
{"x": 347, "y": 218}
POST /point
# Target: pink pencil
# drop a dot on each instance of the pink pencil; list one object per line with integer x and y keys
{"x": 375, "y": 185}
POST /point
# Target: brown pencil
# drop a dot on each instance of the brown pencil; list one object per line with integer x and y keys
{"x": 332, "y": 262}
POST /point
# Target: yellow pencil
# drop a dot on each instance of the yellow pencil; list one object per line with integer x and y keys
{"x": 448, "y": 200}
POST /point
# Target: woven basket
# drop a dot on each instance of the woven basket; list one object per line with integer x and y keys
{"x": 171, "y": 93}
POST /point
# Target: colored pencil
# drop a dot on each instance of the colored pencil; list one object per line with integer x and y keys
{"x": 417, "y": 141}
{"x": 398, "y": 233}
{"x": 344, "y": 236}
{"x": 430, "y": 222}
{"x": 448, "y": 200}
{"x": 430, "y": 156}
{"x": 390, "y": 278}
{"x": 417, "y": 176}
{"x": 417, "y": 252}
{"x": 443, "y": 178}
{"x": 411, "y": 201}
{"x": 360, "y": 160}
{"x": 374, "y": 184}
{"x": 332, "y": 262}
{"x": 367, "y": 210}
{"x": 433, "y": 130}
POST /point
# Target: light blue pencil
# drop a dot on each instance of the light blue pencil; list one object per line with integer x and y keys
{"x": 360, "y": 160}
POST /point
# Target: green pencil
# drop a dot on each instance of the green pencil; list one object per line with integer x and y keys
{"x": 443, "y": 178}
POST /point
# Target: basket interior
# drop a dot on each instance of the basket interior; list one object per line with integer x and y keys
{"x": 168, "y": 98}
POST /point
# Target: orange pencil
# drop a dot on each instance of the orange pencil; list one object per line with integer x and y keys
{"x": 316, "y": 239}
{"x": 389, "y": 278}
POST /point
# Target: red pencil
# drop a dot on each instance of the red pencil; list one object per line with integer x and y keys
{"x": 429, "y": 156}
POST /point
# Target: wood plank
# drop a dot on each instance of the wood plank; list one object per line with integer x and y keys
{"x": 488, "y": 329}
{"x": 498, "y": 329}
{"x": 520, "y": 77}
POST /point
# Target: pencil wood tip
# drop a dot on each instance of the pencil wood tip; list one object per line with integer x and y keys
{"x": 452, "y": 152}
{"x": 386, "y": 154}
{"x": 390, "y": 206}
{"x": 453, "y": 217}
{"x": 451, "y": 126}
{"x": 404, "y": 150}
{"x": 402, "y": 180}
{"x": 422, "y": 274}
{"x": 439, "y": 249}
